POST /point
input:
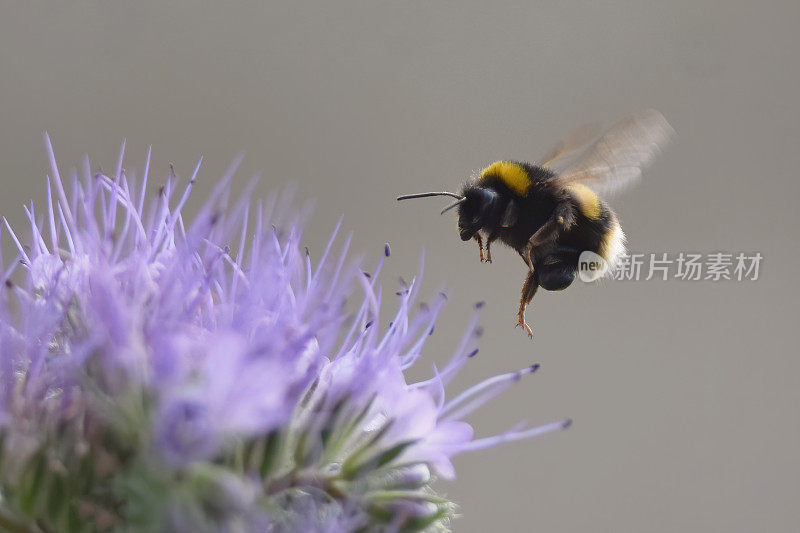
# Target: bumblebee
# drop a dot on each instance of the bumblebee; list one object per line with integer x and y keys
{"x": 552, "y": 212}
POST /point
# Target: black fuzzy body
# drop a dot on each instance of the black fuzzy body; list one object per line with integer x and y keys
{"x": 530, "y": 212}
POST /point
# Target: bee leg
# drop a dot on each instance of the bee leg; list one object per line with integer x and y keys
{"x": 525, "y": 253}
{"x": 489, "y": 242}
{"x": 562, "y": 220}
{"x": 528, "y": 291}
{"x": 557, "y": 270}
{"x": 479, "y": 240}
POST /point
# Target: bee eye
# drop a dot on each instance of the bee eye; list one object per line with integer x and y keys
{"x": 487, "y": 196}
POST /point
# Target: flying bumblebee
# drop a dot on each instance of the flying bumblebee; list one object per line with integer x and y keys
{"x": 552, "y": 212}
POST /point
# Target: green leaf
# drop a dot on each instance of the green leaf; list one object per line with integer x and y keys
{"x": 384, "y": 515}
{"x": 419, "y": 523}
{"x": 2, "y": 448}
{"x": 57, "y": 498}
{"x": 272, "y": 448}
{"x": 31, "y": 481}
{"x": 352, "y": 468}
{"x": 332, "y": 420}
{"x": 394, "y": 495}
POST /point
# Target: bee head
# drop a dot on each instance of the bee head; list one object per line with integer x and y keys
{"x": 478, "y": 207}
{"x": 475, "y": 211}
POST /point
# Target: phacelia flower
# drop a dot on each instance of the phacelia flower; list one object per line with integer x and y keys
{"x": 162, "y": 374}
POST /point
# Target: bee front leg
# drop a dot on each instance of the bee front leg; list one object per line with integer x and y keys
{"x": 528, "y": 291}
{"x": 489, "y": 242}
{"x": 478, "y": 238}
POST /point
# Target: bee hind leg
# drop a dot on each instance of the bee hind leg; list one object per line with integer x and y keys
{"x": 557, "y": 270}
{"x": 528, "y": 291}
{"x": 546, "y": 236}
{"x": 525, "y": 254}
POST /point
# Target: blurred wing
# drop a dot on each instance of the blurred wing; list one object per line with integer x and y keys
{"x": 566, "y": 150}
{"x": 615, "y": 161}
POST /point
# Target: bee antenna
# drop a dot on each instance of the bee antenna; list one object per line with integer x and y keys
{"x": 426, "y": 194}
{"x": 454, "y": 204}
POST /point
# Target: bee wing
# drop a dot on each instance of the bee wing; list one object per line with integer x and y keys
{"x": 615, "y": 160}
{"x": 565, "y": 151}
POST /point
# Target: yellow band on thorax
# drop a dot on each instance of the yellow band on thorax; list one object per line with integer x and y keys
{"x": 513, "y": 175}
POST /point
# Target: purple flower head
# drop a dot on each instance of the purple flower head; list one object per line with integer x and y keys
{"x": 153, "y": 366}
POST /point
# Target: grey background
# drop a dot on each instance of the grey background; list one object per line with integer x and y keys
{"x": 684, "y": 394}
